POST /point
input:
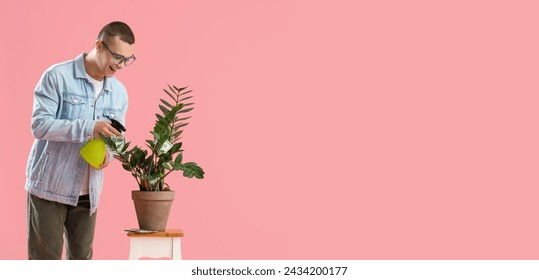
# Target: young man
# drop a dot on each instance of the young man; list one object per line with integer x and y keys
{"x": 74, "y": 101}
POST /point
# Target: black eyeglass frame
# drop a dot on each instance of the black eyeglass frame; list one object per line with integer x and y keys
{"x": 120, "y": 58}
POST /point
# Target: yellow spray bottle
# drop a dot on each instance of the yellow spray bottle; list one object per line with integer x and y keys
{"x": 94, "y": 150}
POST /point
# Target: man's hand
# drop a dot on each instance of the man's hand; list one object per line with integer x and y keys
{"x": 106, "y": 129}
{"x": 106, "y": 161}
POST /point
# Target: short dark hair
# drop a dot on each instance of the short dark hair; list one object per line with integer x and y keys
{"x": 117, "y": 28}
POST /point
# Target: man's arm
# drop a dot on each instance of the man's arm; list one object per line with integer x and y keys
{"x": 45, "y": 126}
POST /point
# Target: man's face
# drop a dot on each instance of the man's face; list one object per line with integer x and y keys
{"x": 111, "y": 53}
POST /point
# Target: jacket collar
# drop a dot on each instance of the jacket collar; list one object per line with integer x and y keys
{"x": 80, "y": 71}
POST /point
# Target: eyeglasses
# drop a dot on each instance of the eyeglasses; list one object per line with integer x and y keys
{"x": 118, "y": 58}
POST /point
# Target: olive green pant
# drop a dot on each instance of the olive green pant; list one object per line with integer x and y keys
{"x": 49, "y": 221}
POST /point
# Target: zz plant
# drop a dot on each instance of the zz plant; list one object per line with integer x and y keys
{"x": 164, "y": 155}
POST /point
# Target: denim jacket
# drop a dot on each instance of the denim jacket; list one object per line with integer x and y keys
{"x": 64, "y": 115}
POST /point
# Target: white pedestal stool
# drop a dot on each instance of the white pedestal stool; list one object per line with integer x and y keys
{"x": 156, "y": 245}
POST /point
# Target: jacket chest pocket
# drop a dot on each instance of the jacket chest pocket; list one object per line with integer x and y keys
{"x": 111, "y": 113}
{"x": 74, "y": 106}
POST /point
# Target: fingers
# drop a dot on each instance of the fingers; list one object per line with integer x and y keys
{"x": 105, "y": 163}
{"x": 106, "y": 129}
{"x": 114, "y": 132}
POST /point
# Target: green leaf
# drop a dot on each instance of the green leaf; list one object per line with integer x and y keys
{"x": 166, "y": 103}
{"x": 176, "y": 166}
{"x": 175, "y": 148}
{"x": 164, "y": 110}
{"x": 137, "y": 157}
{"x": 191, "y": 169}
{"x": 172, "y": 90}
{"x": 180, "y": 89}
{"x": 159, "y": 117}
{"x": 125, "y": 147}
{"x": 177, "y": 134}
{"x": 182, "y": 119}
{"x": 166, "y": 166}
{"x": 187, "y": 92}
{"x": 180, "y": 125}
{"x": 188, "y": 173}
{"x": 186, "y": 110}
{"x": 179, "y": 158}
{"x": 127, "y": 167}
{"x": 146, "y": 163}
{"x": 169, "y": 94}
{"x": 150, "y": 144}
{"x": 185, "y": 98}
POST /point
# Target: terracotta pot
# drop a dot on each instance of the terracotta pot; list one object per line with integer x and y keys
{"x": 153, "y": 208}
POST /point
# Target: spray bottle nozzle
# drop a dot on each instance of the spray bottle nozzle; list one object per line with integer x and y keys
{"x": 117, "y": 125}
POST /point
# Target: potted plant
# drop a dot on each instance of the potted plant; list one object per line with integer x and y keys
{"x": 151, "y": 166}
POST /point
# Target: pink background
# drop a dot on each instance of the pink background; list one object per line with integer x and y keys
{"x": 327, "y": 129}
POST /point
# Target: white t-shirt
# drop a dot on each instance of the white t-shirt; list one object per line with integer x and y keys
{"x": 98, "y": 87}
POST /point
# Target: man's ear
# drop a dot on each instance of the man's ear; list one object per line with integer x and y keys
{"x": 98, "y": 45}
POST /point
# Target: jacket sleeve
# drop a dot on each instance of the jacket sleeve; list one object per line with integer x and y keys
{"x": 46, "y": 124}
